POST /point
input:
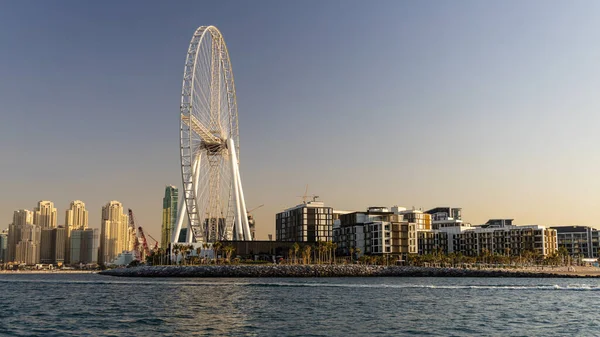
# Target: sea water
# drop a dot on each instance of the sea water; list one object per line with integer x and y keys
{"x": 95, "y": 305}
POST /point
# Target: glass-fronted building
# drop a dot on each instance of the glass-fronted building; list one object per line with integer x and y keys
{"x": 579, "y": 240}
{"x": 169, "y": 215}
{"x": 84, "y": 246}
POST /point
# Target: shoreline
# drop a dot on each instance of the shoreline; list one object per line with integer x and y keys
{"x": 16, "y": 272}
{"x": 253, "y": 271}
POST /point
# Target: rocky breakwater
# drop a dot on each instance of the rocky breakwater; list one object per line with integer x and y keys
{"x": 313, "y": 271}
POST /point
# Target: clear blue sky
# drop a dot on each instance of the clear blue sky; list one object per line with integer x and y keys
{"x": 489, "y": 106}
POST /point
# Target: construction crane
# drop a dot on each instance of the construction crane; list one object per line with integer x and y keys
{"x": 251, "y": 221}
{"x": 306, "y": 196}
{"x": 254, "y": 209}
{"x": 155, "y": 242}
{"x": 144, "y": 242}
{"x": 136, "y": 242}
{"x": 140, "y": 232}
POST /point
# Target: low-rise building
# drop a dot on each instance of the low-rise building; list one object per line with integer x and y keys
{"x": 579, "y": 240}
{"x": 309, "y": 222}
{"x": 418, "y": 217}
{"x": 443, "y": 217}
{"x": 375, "y": 232}
{"x": 432, "y": 242}
{"x": 501, "y": 237}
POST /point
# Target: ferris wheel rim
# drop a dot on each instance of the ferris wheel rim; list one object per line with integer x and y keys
{"x": 188, "y": 156}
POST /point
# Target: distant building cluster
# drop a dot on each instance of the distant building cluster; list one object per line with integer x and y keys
{"x": 399, "y": 231}
{"x": 35, "y": 238}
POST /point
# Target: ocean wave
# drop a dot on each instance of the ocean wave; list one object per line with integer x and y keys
{"x": 174, "y": 283}
{"x": 573, "y": 287}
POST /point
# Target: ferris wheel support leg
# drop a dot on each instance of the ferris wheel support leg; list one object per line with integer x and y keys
{"x": 180, "y": 217}
{"x": 244, "y": 217}
{"x": 239, "y": 234}
{"x": 190, "y": 233}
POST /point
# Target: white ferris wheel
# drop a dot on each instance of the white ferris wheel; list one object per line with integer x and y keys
{"x": 212, "y": 199}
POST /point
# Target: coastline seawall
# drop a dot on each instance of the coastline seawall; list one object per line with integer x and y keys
{"x": 248, "y": 271}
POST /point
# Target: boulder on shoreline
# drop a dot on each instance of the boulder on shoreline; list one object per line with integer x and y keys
{"x": 355, "y": 270}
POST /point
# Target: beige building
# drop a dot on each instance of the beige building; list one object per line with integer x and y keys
{"x": 115, "y": 235}
{"x": 24, "y": 243}
{"x": 76, "y": 218}
{"x": 418, "y": 217}
{"x": 23, "y": 217}
{"x": 44, "y": 215}
{"x": 500, "y": 236}
{"x": 377, "y": 231}
{"x": 27, "y": 252}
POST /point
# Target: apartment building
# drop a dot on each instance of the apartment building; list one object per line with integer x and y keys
{"x": 308, "y": 222}
{"x": 375, "y": 232}
{"x": 579, "y": 240}
{"x": 501, "y": 237}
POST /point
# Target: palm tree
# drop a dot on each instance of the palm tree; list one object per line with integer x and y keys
{"x": 357, "y": 251}
{"x": 306, "y": 254}
{"x": 183, "y": 249}
{"x": 295, "y": 249}
{"x": 174, "y": 252}
{"x": 351, "y": 250}
{"x": 198, "y": 252}
{"x": 217, "y": 247}
{"x": 334, "y": 248}
{"x": 190, "y": 249}
{"x": 229, "y": 249}
{"x": 563, "y": 253}
{"x": 205, "y": 246}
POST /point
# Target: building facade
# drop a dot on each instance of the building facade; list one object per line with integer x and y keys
{"x": 377, "y": 231}
{"x": 84, "y": 246}
{"x": 52, "y": 245}
{"x": 309, "y": 222}
{"x": 579, "y": 240}
{"x": 506, "y": 239}
{"x": 22, "y": 217}
{"x": 44, "y": 215}
{"x": 23, "y": 244}
{"x": 169, "y": 214}
{"x": 432, "y": 242}
{"x": 4, "y": 246}
{"x": 115, "y": 234}
{"x": 418, "y": 217}
{"x": 442, "y": 217}
{"x": 76, "y": 218}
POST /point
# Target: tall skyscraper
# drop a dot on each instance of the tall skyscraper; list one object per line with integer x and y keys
{"x": 45, "y": 215}
{"x": 169, "y": 215}
{"x": 76, "y": 218}
{"x": 114, "y": 234}
{"x": 84, "y": 246}
{"x": 23, "y": 217}
{"x": 4, "y": 246}
{"x": 52, "y": 245}
{"x": 24, "y": 243}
